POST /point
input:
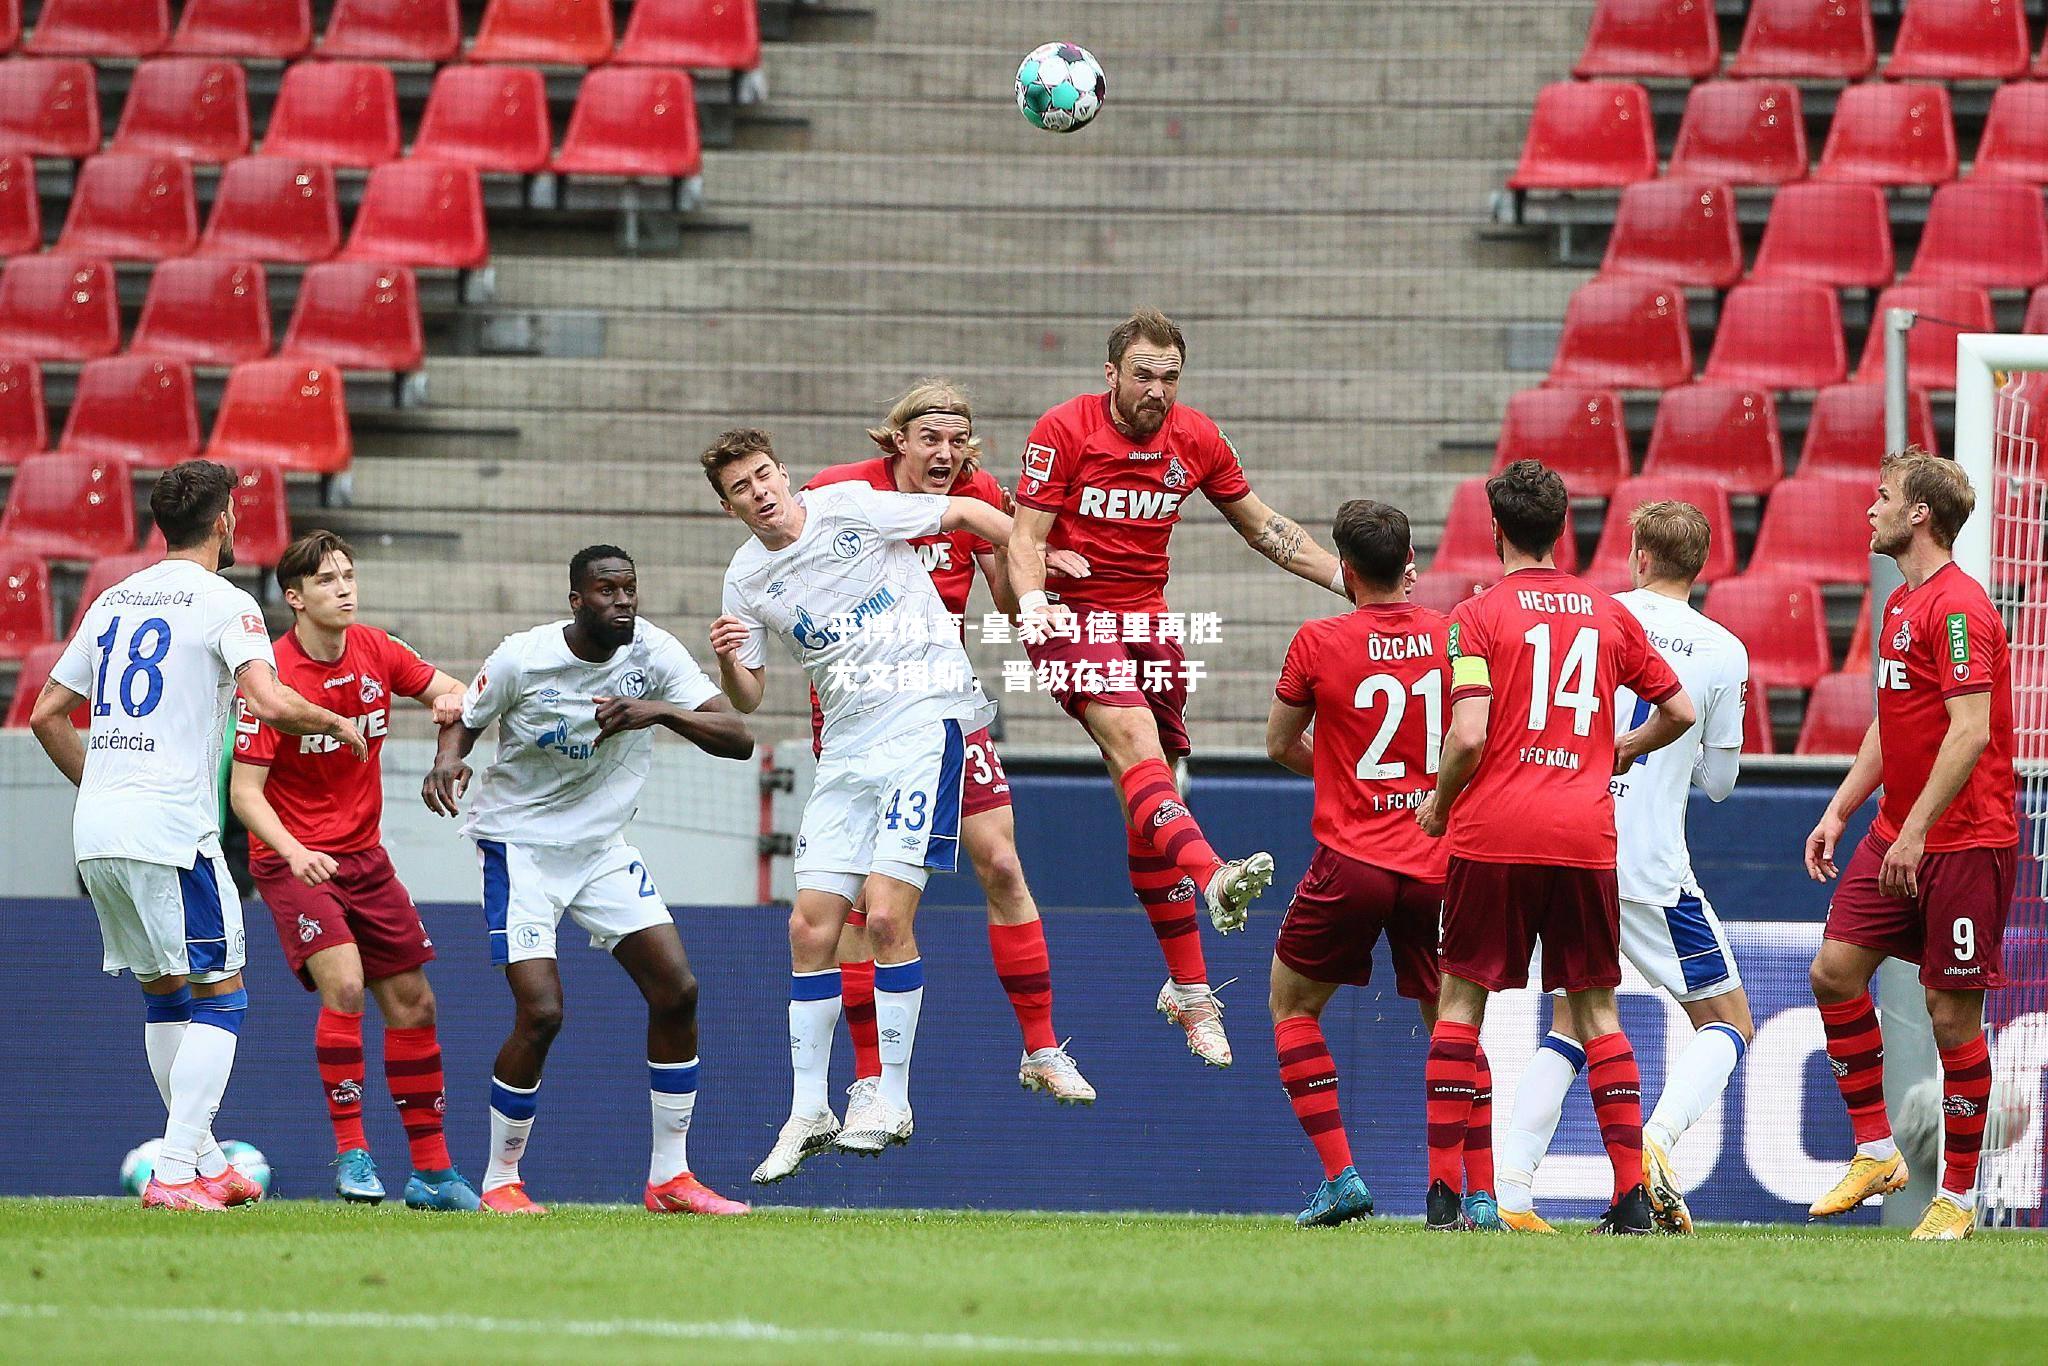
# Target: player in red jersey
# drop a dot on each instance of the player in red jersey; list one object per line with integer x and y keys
{"x": 1522, "y": 786}
{"x": 1933, "y": 880}
{"x": 1373, "y": 683}
{"x": 316, "y": 853}
{"x": 1105, "y": 475}
{"x": 929, "y": 446}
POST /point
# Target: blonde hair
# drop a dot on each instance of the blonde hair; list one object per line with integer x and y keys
{"x": 1675, "y": 534}
{"x": 922, "y": 399}
{"x": 1939, "y": 483}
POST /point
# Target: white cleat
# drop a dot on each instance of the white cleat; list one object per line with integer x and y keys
{"x": 874, "y": 1126}
{"x": 1050, "y": 1070}
{"x": 1236, "y": 885}
{"x": 860, "y": 1093}
{"x": 1196, "y": 1010}
{"x": 802, "y": 1138}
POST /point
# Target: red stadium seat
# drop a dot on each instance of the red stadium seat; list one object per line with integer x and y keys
{"x": 710, "y": 35}
{"x": 1580, "y": 433}
{"x": 284, "y": 411}
{"x": 137, "y": 408}
{"x": 359, "y": 316}
{"x": 1891, "y": 135}
{"x": 137, "y": 208}
{"x": 1779, "y": 336}
{"x": 633, "y": 121}
{"x": 191, "y": 107}
{"x": 1960, "y": 40}
{"x": 341, "y": 113}
{"x": 1443, "y": 591}
{"x": 263, "y": 526}
{"x": 494, "y": 118}
{"x": 1825, "y": 233}
{"x": 1812, "y": 39}
{"x": 109, "y": 570}
{"x": 1610, "y": 567}
{"x": 1742, "y": 133}
{"x": 24, "y": 426}
{"x": 28, "y": 685}
{"x": 274, "y": 209}
{"x": 1756, "y": 721}
{"x": 2015, "y": 141}
{"x": 1931, "y": 345}
{"x": 424, "y": 214}
{"x": 555, "y": 32}
{"x": 1465, "y": 551}
{"x": 1838, "y": 714}
{"x": 1816, "y": 528}
{"x": 1627, "y": 333}
{"x": 49, "y": 108}
{"x": 1782, "y": 621}
{"x": 21, "y": 208}
{"x": 2037, "y": 313}
{"x": 1590, "y": 135}
{"x": 1713, "y": 431}
{"x": 58, "y": 308}
{"x": 1675, "y": 38}
{"x": 1845, "y": 432}
{"x": 1678, "y": 230}
{"x": 206, "y": 312}
{"x": 276, "y": 30}
{"x": 27, "y": 612}
{"x": 1858, "y": 659}
{"x": 1983, "y": 232}
{"x": 101, "y": 28}
{"x": 71, "y": 507}
{"x": 10, "y": 25}
{"x": 394, "y": 30}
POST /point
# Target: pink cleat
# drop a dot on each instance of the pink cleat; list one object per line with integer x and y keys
{"x": 685, "y": 1194}
{"x": 192, "y": 1194}
{"x": 511, "y": 1199}
{"x": 232, "y": 1188}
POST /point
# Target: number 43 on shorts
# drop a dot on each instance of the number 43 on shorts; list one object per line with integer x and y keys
{"x": 912, "y": 819}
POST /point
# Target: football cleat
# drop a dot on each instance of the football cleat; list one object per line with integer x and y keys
{"x": 1667, "y": 1197}
{"x": 232, "y": 1187}
{"x": 1945, "y": 1221}
{"x": 511, "y": 1199}
{"x": 1340, "y": 1199}
{"x": 1482, "y": 1211}
{"x": 1444, "y": 1212}
{"x": 1866, "y": 1177}
{"x": 1628, "y": 1215}
{"x": 450, "y": 1192}
{"x": 1234, "y": 887}
{"x": 685, "y": 1194}
{"x": 1196, "y": 1010}
{"x": 874, "y": 1126}
{"x": 1524, "y": 1221}
{"x": 803, "y": 1137}
{"x": 861, "y": 1092}
{"x": 355, "y": 1178}
{"x": 1052, "y": 1071}
{"x": 191, "y": 1194}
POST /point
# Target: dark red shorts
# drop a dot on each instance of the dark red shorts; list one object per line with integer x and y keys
{"x": 984, "y": 786}
{"x": 1091, "y": 663}
{"x": 1340, "y": 910}
{"x": 1954, "y": 929}
{"x": 363, "y": 904}
{"x": 1495, "y": 914}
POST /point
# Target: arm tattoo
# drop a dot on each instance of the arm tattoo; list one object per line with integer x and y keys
{"x": 1279, "y": 540}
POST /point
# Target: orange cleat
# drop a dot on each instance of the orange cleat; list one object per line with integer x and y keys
{"x": 232, "y": 1188}
{"x": 511, "y": 1199}
{"x": 685, "y": 1194}
{"x": 191, "y": 1194}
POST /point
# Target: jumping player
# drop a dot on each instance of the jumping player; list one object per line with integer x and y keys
{"x": 1373, "y": 683}
{"x": 1933, "y": 880}
{"x": 831, "y": 572}
{"x": 929, "y": 446}
{"x": 573, "y": 701}
{"x": 316, "y": 853}
{"x": 1105, "y": 475}
{"x": 1532, "y": 840}
{"x": 158, "y": 657}
{"x": 1668, "y": 927}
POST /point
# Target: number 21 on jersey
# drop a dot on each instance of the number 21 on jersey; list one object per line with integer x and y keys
{"x": 1385, "y": 690}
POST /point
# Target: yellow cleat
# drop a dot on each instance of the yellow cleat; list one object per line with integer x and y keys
{"x": 1866, "y": 1177}
{"x": 1667, "y": 1197}
{"x": 1945, "y": 1221}
{"x": 1532, "y": 1222}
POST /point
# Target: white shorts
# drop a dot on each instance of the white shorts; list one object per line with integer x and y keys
{"x": 891, "y": 808}
{"x": 1681, "y": 948}
{"x": 161, "y": 921}
{"x": 527, "y": 887}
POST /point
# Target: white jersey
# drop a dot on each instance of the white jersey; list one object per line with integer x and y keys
{"x": 156, "y": 657}
{"x": 552, "y": 783}
{"x": 1654, "y": 866}
{"x": 856, "y": 607}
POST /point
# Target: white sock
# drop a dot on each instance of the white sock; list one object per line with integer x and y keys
{"x": 512, "y": 1111}
{"x": 198, "y": 1079}
{"x": 813, "y": 1015}
{"x": 1965, "y": 1201}
{"x": 899, "y": 996}
{"x": 1695, "y": 1081}
{"x": 1539, "y": 1104}
{"x": 673, "y": 1088}
{"x": 1883, "y": 1149}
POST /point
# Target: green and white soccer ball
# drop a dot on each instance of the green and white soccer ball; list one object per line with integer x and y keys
{"x": 246, "y": 1158}
{"x": 1060, "y": 87}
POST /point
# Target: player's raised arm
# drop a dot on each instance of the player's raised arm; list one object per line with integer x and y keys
{"x": 983, "y": 519}
{"x": 1283, "y": 541}
{"x": 278, "y": 707}
{"x": 689, "y": 706}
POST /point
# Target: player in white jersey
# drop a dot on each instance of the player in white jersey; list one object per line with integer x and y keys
{"x": 573, "y": 701}
{"x": 1668, "y": 928}
{"x": 156, "y": 660}
{"x": 832, "y": 573}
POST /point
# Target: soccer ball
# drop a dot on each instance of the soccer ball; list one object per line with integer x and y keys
{"x": 249, "y": 1160}
{"x": 141, "y": 1161}
{"x": 1060, "y": 87}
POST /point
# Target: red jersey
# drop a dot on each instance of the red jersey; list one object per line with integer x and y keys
{"x": 323, "y": 796}
{"x": 1117, "y": 505}
{"x": 1941, "y": 640}
{"x": 1378, "y": 679}
{"x": 1550, "y": 649}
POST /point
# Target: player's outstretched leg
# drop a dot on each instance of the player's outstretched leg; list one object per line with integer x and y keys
{"x": 198, "y": 1079}
{"x": 1841, "y": 986}
{"x": 1539, "y": 1104}
{"x": 1016, "y": 942}
{"x": 1479, "y": 1205}
{"x": 515, "y": 1081}
{"x": 1309, "y": 1076}
{"x": 655, "y": 960}
{"x": 857, "y": 1003}
{"x": 1958, "y": 1019}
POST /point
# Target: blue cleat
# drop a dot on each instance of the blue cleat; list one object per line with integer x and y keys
{"x": 355, "y": 1178}
{"x": 1482, "y": 1212}
{"x": 1341, "y": 1198}
{"x": 440, "y": 1191}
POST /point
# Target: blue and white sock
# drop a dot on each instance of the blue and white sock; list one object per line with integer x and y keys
{"x": 1695, "y": 1081}
{"x": 899, "y": 996}
{"x": 813, "y": 1015}
{"x": 198, "y": 1079}
{"x": 673, "y": 1089}
{"x": 1539, "y": 1105}
{"x": 512, "y": 1111}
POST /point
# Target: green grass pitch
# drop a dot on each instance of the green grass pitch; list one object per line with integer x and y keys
{"x": 302, "y": 1281}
